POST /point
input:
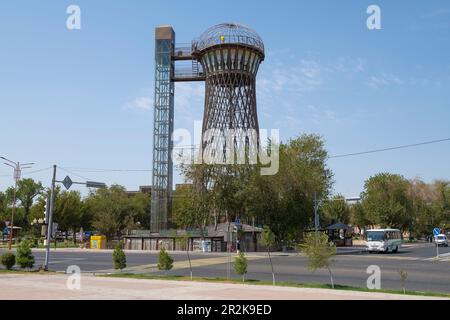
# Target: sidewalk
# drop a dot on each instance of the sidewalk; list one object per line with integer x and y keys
{"x": 54, "y": 287}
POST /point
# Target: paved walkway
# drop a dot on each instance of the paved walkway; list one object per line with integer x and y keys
{"x": 54, "y": 287}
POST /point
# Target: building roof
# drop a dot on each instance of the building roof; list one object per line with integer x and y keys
{"x": 222, "y": 229}
{"x": 339, "y": 226}
{"x": 229, "y": 33}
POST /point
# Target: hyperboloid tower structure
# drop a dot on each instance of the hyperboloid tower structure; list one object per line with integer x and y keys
{"x": 227, "y": 57}
{"x": 230, "y": 55}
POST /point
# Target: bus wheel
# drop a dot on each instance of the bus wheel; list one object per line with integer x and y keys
{"x": 395, "y": 250}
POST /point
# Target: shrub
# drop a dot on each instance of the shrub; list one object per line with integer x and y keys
{"x": 119, "y": 258}
{"x": 240, "y": 265}
{"x": 165, "y": 261}
{"x": 25, "y": 258}
{"x": 8, "y": 260}
{"x": 319, "y": 252}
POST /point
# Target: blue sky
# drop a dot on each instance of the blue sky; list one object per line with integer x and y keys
{"x": 83, "y": 99}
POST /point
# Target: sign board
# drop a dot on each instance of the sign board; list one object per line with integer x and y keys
{"x": 67, "y": 182}
{"x": 436, "y": 231}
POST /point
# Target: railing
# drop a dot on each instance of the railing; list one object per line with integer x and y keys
{"x": 199, "y": 45}
{"x": 183, "y": 51}
{"x": 188, "y": 72}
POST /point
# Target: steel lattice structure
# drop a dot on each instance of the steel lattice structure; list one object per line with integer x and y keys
{"x": 227, "y": 57}
{"x": 163, "y": 129}
{"x": 230, "y": 55}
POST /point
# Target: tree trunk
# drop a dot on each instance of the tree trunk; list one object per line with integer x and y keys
{"x": 271, "y": 265}
{"x": 331, "y": 277}
{"x": 189, "y": 258}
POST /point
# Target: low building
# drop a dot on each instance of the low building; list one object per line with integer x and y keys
{"x": 214, "y": 239}
{"x": 142, "y": 189}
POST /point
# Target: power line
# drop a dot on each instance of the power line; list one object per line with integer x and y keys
{"x": 37, "y": 171}
{"x": 109, "y": 170}
{"x": 70, "y": 172}
{"x": 390, "y": 149}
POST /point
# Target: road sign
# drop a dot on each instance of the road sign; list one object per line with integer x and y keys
{"x": 67, "y": 182}
{"x": 436, "y": 231}
{"x": 237, "y": 222}
{"x": 98, "y": 185}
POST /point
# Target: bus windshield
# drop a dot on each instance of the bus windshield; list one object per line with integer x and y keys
{"x": 375, "y": 236}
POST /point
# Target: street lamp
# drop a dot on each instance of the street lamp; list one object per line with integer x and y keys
{"x": 18, "y": 167}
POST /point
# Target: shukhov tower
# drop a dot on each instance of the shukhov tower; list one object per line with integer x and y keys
{"x": 227, "y": 58}
{"x": 230, "y": 55}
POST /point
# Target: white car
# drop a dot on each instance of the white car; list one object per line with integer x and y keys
{"x": 441, "y": 240}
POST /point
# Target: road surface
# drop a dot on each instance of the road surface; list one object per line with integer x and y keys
{"x": 425, "y": 273}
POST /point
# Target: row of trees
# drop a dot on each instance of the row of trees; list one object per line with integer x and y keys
{"x": 110, "y": 211}
{"x": 285, "y": 201}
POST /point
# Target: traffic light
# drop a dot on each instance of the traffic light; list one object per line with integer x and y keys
{"x": 46, "y": 210}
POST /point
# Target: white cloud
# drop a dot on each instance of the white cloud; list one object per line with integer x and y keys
{"x": 140, "y": 103}
{"x": 384, "y": 79}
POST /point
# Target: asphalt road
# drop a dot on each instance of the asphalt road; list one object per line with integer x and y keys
{"x": 424, "y": 273}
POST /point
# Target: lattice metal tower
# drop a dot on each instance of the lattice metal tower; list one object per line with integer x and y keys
{"x": 231, "y": 55}
{"x": 163, "y": 128}
{"x": 227, "y": 56}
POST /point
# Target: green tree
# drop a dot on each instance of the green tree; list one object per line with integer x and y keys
{"x": 240, "y": 265}
{"x": 268, "y": 240}
{"x": 165, "y": 261}
{"x": 109, "y": 207}
{"x": 68, "y": 211}
{"x": 359, "y": 216}
{"x": 193, "y": 204}
{"x": 385, "y": 199}
{"x": 8, "y": 260}
{"x": 319, "y": 252}
{"x": 285, "y": 201}
{"x": 25, "y": 258}
{"x": 27, "y": 190}
{"x": 183, "y": 242}
{"x": 119, "y": 258}
{"x": 336, "y": 210}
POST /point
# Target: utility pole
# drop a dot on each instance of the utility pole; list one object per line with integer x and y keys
{"x": 17, "y": 175}
{"x": 50, "y": 220}
{"x": 67, "y": 182}
{"x": 316, "y": 213}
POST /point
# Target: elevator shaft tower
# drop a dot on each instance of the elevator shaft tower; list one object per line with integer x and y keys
{"x": 166, "y": 74}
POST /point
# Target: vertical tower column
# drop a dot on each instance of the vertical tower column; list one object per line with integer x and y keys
{"x": 163, "y": 129}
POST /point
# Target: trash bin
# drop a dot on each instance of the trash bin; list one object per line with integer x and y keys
{"x": 98, "y": 242}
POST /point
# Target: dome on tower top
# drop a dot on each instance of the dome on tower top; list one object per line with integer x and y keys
{"x": 229, "y": 33}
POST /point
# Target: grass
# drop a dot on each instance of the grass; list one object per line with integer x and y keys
{"x": 14, "y": 271}
{"x": 269, "y": 283}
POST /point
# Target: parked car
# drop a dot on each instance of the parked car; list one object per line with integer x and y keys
{"x": 441, "y": 240}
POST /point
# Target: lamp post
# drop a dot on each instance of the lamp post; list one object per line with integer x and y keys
{"x": 18, "y": 167}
